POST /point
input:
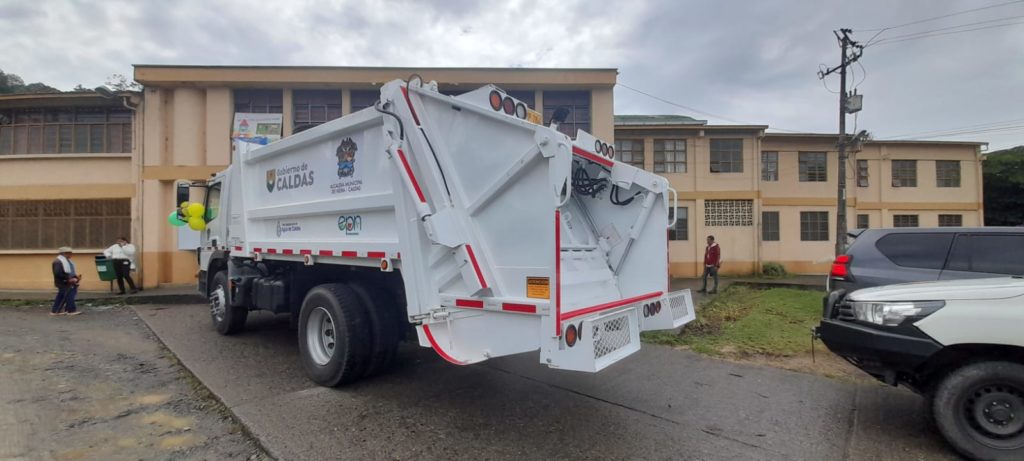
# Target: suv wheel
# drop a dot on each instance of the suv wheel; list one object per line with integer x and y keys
{"x": 980, "y": 410}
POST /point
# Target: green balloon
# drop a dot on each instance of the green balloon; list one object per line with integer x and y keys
{"x": 174, "y": 219}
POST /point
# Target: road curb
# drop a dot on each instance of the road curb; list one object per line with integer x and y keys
{"x": 246, "y": 428}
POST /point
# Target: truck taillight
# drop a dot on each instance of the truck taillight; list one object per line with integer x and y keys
{"x": 495, "y": 98}
{"x": 841, "y": 266}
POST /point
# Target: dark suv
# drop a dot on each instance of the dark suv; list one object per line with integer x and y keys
{"x": 887, "y": 256}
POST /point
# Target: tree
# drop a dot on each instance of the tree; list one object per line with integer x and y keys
{"x": 13, "y": 84}
{"x": 118, "y": 82}
{"x": 1003, "y": 173}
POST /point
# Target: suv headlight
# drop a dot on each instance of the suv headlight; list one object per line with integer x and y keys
{"x": 893, "y": 313}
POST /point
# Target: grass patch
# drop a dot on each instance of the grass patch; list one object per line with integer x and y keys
{"x": 748, "y": 321}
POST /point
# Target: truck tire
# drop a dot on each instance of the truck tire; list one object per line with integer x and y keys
{"x": 227, "y": 319}
{"x": 979, "y": 409}
{"x": 334, "y": 335}
{"x": 385, "y": 326}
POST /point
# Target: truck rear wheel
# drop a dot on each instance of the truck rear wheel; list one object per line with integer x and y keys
{"x": 334, "y": 335}
{"x": 980, "y": 410}
{"x": 386, "y": 326}
{"x": 227, "y": 319}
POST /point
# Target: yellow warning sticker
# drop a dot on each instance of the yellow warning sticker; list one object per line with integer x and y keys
{"x": 538, "y": 287}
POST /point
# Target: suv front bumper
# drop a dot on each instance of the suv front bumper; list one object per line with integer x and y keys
{"x": 885, "y": 355}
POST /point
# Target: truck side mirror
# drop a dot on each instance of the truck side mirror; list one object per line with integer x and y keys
{"x": 183, "y": 189}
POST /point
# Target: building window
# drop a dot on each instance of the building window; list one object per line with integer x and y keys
{"x": 863, "y": 221}
{"x": 681, "y": 230}
{"x": 48, "y": 224}
{"x": 259, "y": 101}
{"x": 630, "y": 151}
{"x": 951, "y": 220}
{"x": 728, "y": 213}
{"x": 904, "y": 220}
{"x": 769, "y": 166}
{"x": 904, "y": 173}
{"x": 361, "y": 99}
{"x": 670, "y": 156}
{"x": 73, "y": 130}
{"x": 814, "y": 226}
{"x": 862, "y": 173}
{"x": 528, "y": 97}
{"x": 770, "y": 226}
{"x": 578, "y": 103}
{"x": 313, "y": 107}
{"x": 947, "y": 173}
{"x": 813, "y": 167}
{"x": 726, "y": 155}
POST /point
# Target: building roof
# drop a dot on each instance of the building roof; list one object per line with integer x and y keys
{"x": 241, "y": 76}
{"x": 657, "y": 120}
{"x": 834, "y": 136}
{"x": 67, "y": 98}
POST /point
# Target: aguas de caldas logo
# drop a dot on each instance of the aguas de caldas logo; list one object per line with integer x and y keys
{"x": 289, "y": 177}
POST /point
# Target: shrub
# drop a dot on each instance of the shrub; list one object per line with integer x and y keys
{"x": 773, "y": 270}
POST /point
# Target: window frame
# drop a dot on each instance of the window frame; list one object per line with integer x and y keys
{"x": 682, "y": 225}
{"x": 958, "y": 218}
{"x": 809, "y": 169}
{"x": 907, "y": 168}
{"x": 730, "y": 157}
{"x": 816, "y": 234}
{"x": 84, "y": 224}
{"x": 770, "y": 227}
{"x": 66, "y": 130}
{"x": 909, "y": 218}
{"x": 945, "y": 177}
{"x": 664, "y": 163}
{"x": 636, "y": 157}
{"x": 273, "y": 103}
{"x": 867, "y": 221}
{"x": 769, "y": 174}
{"x": 863, "y": 174}
{"x": 580, "y": 104}
{"x": 309, "y": 99}
{"x": 713, "y": 215}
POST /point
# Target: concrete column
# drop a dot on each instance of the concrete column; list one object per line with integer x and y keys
{"x": 287, "y": 113}
{"x": 346, "y": 101}
{"x": 189, "y": 132}
{"x": 219, "y": 118}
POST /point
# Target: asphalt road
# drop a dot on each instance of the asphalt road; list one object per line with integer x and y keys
{"x": 658, "y": 404}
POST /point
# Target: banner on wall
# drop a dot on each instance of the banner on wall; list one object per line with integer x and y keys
{"x": 259, "y": 129}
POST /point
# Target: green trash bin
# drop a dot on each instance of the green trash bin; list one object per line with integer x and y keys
{"x": 105, "y": 268}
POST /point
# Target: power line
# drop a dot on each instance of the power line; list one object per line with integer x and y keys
{"x": 692, "y": 109}
{"x": 940, "y": 17}
{"x": 966, "y": 127}
{"x": 890, "y": 41}
{"x": 942, "y": 29}
{"x": 1011, "y": 128}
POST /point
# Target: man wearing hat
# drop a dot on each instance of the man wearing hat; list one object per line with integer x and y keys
{"x": 66, "y": 279}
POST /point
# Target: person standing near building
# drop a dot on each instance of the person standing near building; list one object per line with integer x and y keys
{"x": 122, "y": 254}
{"x": 66, "y": 279}
{"x": 712, "y": 261}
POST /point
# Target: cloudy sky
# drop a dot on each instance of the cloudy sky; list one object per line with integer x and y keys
{"x": 725, "y": 61}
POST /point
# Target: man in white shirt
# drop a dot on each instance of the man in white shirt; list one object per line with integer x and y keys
{"x": 122, "y": 254}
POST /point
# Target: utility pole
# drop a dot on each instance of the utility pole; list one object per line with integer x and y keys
{"x": 846, "y": 59}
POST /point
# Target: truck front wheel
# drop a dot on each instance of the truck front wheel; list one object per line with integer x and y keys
{"x": 334, "y": 338}
{"x": 979, "y": 409}
{"x": 227, "y": 319}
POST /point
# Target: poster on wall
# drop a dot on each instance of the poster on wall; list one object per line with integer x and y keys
{"x": 259, "y": 129}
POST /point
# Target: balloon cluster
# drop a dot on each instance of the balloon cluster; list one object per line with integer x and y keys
{"x": 189, "y": 213}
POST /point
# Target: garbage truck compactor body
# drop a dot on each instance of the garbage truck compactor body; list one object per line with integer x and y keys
{"x": 489, "y": 233}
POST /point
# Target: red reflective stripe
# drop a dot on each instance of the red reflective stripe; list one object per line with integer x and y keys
{"x": 558, "y": 273}
{"x": 271, "y": 251}
{"x": 287, "y": 251}
{"x": 376, "y": 254}
{"x": 412, "y": 178}
{"x": 238, "y": 248}
{"x": 398, "y": 255}
{"x": 592, "y": 156}
{"x": 433, "y": 343}
{"x": 326, "y": 253}
{"x": 476, "y": 267}
{"x": 349, "y": 254}
{"x": 514, "y": 307}
{"x": 405, "y": 92}
{"x": 611, "y": 305}
{"x": 305, "y": 252}
{"x": 474, "y": 303}
{"x": 257, "y": 250}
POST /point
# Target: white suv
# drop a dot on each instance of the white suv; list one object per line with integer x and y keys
{"x": 959, "y": 343}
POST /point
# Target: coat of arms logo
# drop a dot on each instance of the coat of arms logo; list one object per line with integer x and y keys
{"x": 346, "y": 158}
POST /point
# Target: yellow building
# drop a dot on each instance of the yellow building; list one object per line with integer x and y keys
{"x": 770, "y": 197}
{"x": 81, "y": 169}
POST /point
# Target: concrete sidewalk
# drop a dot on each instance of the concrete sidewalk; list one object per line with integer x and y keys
{"x": 162, "y": 295}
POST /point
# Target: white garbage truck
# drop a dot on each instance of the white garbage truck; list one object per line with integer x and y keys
{"x": 465, "y": 217}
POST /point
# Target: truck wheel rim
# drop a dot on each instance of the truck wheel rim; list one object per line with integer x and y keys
{"x": 217, "y": 303}
{"x": 321, "y": 335}
{"x": 995, "y": 415}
